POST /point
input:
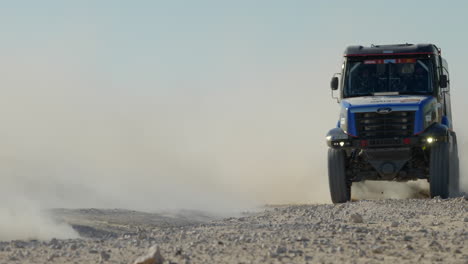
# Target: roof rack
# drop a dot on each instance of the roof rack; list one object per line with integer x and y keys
{"x": 390, "y": 50}
{"x": 391, "y": 45}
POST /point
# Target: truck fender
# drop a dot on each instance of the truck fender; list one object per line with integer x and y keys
{"x": 336, "y": 134}
{"x": 436, "y": 130}
{"x": 445, "y": 121}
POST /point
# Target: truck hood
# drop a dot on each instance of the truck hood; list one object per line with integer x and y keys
{"x": 396, "y": 102}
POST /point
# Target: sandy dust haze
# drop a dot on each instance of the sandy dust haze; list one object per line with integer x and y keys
{"x": 73, "y": 138}
{"x": 77, "y": 137}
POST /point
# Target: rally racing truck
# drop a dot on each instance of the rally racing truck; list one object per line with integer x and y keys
{"x": 395, "y": 122}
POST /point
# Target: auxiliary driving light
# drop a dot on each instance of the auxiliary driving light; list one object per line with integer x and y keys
{"x": 341, "y": 143}
{"x": 430, "y": 140}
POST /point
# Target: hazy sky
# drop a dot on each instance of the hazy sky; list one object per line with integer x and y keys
{"x": 198, "y": 51}
{"x": 183, "y": 102}
{"x": 195, "y": 47}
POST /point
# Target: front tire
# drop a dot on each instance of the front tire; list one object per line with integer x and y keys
{"x": 439, "y": 170}
{"x": 340, "y": 187}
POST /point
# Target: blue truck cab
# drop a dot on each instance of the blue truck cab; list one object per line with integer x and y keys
{"x": 395, "y": 121}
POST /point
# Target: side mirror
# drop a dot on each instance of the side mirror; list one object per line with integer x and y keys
{"x": 443, "y": 81}
{"x": 334, "y": 83}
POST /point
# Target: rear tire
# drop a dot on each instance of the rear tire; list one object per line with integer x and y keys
{"x": 439, "y": 170}
{"x": 454, "y": 178}
{"x": 340, "y": 187}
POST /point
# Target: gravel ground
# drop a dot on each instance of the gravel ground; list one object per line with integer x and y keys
{"x": 379, "y": 231}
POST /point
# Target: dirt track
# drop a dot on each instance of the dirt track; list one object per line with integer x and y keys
{"x": 391, "y": 231}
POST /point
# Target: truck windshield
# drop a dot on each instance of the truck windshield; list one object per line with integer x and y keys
{"x": 399, "y": 75}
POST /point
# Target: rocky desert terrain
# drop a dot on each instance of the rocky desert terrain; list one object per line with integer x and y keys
{"x": 378, "y": 231}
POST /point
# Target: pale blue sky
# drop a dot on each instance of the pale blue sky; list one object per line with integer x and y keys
{"x": 203, "y": 40}
{"x": 226, "y": 92}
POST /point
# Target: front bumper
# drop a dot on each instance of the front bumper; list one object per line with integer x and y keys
{"x": 415, "y": 141}
{"x": 337, "y": 138}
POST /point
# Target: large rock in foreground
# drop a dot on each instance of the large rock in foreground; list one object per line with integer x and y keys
{"x": 152, "y": 257}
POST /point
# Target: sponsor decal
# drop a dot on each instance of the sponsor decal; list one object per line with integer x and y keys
{"x": 410, "y": 100}
{"x": 406, "y": 61}
{"x": 385, "y": 61}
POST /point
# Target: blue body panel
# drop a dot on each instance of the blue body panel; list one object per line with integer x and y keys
{"x": 445, "y": 121}
{"x": 422, "y": 105}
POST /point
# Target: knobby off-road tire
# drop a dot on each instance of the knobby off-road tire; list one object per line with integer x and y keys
{"x": 439, "y": 170}
{"x": 340, "y": 189}
{"x": 454, "y": 178}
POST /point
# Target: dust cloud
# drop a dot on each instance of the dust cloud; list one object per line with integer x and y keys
{"x": 390, "y": 190}
{"x": 24, "y": 219}
{"x": 463, "y": 152}
{"x": 75, "y": 138}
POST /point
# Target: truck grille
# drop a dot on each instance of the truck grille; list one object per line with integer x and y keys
{"x": 393, "y": 124}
